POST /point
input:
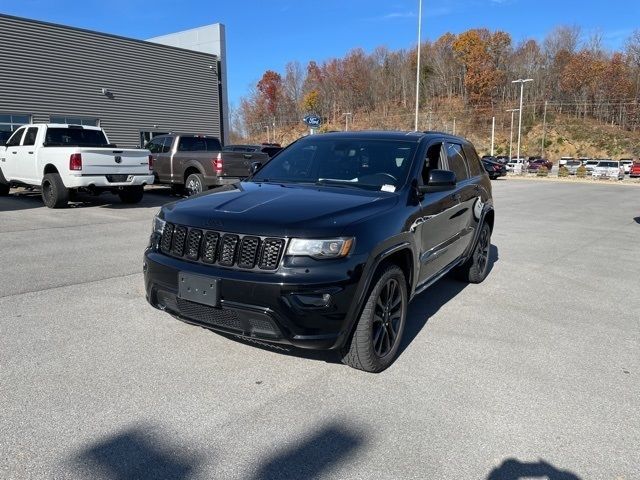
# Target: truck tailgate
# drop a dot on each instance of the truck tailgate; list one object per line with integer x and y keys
{"x": 98, "y": 161}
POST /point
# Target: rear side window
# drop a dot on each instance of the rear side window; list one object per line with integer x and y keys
{"x": 15, "y": 138}
{"x": 475, "y": 169}
{"x": 167, "y": 144}
{"x": 30, "y": 137}
{"x": 457, "y": 162}
{"x": 199, "y": 144}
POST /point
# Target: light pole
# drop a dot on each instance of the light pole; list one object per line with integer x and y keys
{"x": 346, "y": 116}
{"x": 513, "y": 110}
{"x": 521, "y": 82}
{"x": 418, "y": 63}
{"x": 268, "y": 136}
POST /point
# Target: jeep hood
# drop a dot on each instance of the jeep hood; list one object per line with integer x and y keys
{"x": 283, "y": 210}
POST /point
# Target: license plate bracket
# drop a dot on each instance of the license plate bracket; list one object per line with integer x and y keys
{"x": 199, "y": 289}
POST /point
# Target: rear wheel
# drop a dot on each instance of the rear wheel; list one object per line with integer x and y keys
{"x": 476, "y": 268}
{"x": 377, "y": 336}
{"x": 194, "y": 184}
{"x": 54, "y": 193}
{"x": 131, "y": 195}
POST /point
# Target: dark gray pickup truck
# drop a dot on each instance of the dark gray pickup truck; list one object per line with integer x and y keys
{"x": 193, "y": 163}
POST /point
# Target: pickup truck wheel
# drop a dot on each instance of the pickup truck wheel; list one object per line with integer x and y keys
{"x": 194, "y": 184}
{"x": 377, "y": 336}
{"x": 54, "y": 193}
{"x": 131, "y": 195}
{"x": 476, "y": 268}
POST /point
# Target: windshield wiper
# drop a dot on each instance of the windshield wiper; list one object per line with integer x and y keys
{"x": 345, "y": 184}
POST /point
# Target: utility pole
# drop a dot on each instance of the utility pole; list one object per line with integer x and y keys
{"x": 493, "y": 134}
{"x": 430, "y": 112}
{"x": 454, "y": 126}
{"x": 521, "y": 82}
{"x": 346, "y": 120}
{"x": 513, "y": 110}
{"x": 418, "y": 63}
{"x": 544, "y": 127}
{"x": 268, "y": 136}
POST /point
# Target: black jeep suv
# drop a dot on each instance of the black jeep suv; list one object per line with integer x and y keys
{"x": 324, "y": 246}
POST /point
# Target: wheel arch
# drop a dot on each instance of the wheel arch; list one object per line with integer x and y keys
{"x": 49, "y": 168}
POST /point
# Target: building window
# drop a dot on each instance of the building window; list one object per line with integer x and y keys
{"x": 10, "y": 122}
{"x": 93, "y": 122}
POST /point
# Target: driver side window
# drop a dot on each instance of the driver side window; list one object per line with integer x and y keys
{"x": 435, "y": 160}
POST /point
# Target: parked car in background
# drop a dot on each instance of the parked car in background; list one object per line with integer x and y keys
{"x": 608, "y": 169}
{"x": 626, "y": 164}
{"x": 504, "y": 159}
{"x": 494, "y": 169}
{"x": 534, "y": 165}
{"x": 325, "y": 246}
{"x": 572, "y": 166}
{"x": 590, "y": 164}
{"x": 269, "y": 148}
{"x": 584, "y": 160}
{"x": 62, "y": 159}
{"x": 565, "y": 160}
{"x": 515, "y": 162}
{"x": 194, "y": 163}
{"x": 634, "y": 171}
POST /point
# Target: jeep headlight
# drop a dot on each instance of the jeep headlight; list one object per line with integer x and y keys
{"x": 157, "y": 225}
{"x": 320, "y": 248}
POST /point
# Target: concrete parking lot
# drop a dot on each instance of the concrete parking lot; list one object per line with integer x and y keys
{"x": 534, "y": 373}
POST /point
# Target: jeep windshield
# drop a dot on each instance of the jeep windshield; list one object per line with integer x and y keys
{"x": 371, "y": 164}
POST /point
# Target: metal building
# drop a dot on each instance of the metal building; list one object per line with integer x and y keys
{"x": 131, "y": 88}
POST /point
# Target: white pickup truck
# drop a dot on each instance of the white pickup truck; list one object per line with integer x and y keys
{"x": 61, "y": 159}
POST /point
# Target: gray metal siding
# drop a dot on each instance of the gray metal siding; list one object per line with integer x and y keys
{"x": 54, "y": 70}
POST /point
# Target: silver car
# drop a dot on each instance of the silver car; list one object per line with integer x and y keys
{"x": 572, "y": 166}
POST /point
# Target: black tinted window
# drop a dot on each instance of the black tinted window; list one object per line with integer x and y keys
{"x": 167, "y": 144}
{"x": 30, "y": 137}
{"x": 75, "y": 137}
{"x": 457, "y": 162}
{"x": 473, "y": 161}
{"x": 154, "y": 146}
{"x": 199, "y": 144}
{"x": 15, "y": 138}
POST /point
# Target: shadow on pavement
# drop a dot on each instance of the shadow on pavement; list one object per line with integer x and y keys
{"x": 637, "y": 219}
{"x": 513, "y": 469}
{"x": 143, "y": 453}
{"x": 332, "y": 445}
{"x": 22, "y": 199}
{"x": 427, "y": 304}
{"x": 136, "y": 453}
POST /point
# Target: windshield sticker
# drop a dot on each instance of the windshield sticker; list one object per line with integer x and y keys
{"x": 388, "y": 188}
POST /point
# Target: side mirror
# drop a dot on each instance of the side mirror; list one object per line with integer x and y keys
{"x": 439, "y": 181}
{"x": 255, "y": 166}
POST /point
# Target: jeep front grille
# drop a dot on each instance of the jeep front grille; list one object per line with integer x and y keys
{"x": 247, "y": 252}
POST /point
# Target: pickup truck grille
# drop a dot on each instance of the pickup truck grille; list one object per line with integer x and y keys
{"x": 246, "y": 252}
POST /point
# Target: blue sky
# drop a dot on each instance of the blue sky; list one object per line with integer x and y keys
{"x": 267, "y": 34}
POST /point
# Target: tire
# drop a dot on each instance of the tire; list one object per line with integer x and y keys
{"x": 54, "y": 193}
{"x": 475, "y": 269}
{"x": 4, "y": 189}
{"x": 367, "y": 349}
{"x": 131, "y": 195}
{"x": 194, "y": 184}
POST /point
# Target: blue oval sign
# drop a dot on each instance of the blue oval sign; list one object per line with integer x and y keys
{"x": 312, "y": 120}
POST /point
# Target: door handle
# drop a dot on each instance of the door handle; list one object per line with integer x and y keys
{"x": 247, "y": 156}
{"x": 15, "y": 153}
{"x": 30, "y": 153}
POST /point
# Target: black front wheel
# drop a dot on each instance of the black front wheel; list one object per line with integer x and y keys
{"x": 377, "y": 336}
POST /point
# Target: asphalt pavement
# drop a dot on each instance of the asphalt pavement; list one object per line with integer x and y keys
{"x": 533, "y": 374}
